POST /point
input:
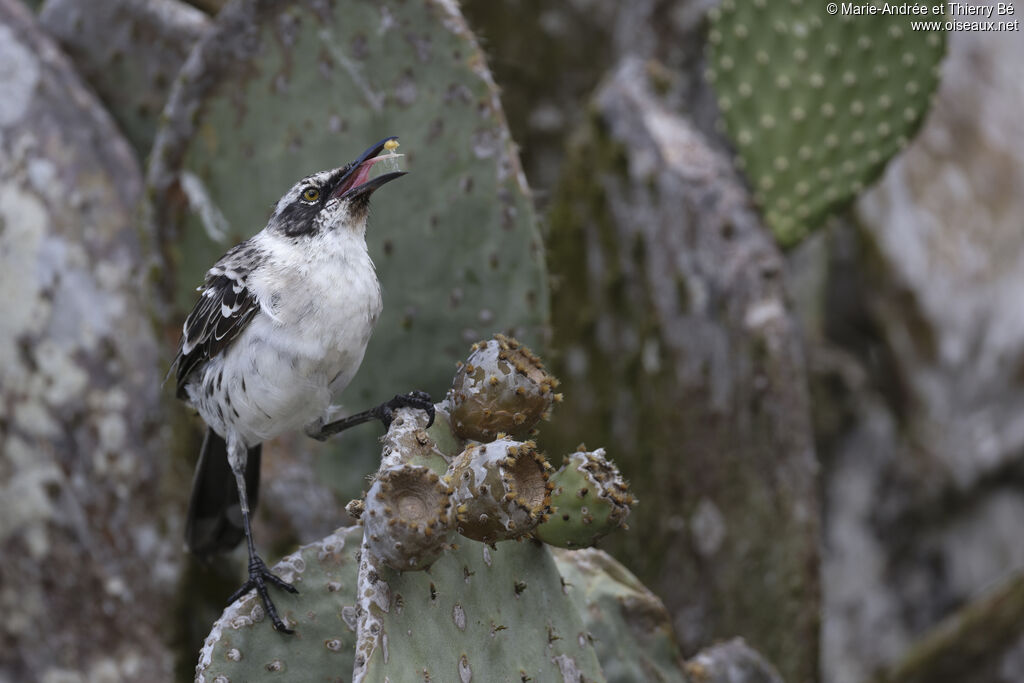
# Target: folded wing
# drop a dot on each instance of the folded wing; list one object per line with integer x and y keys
{"x": 225, "y": 308}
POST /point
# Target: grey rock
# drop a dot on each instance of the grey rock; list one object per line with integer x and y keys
{"x": 87, "y": 569}
{"x": 914, "y": 314}
{"x": 731, "y": 662}
{"x": 945, "y": 221}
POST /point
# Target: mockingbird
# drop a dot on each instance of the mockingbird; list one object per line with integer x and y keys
{"x": 281, "y": 326}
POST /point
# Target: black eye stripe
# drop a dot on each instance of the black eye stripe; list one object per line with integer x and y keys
{"x": 298, "y": 218}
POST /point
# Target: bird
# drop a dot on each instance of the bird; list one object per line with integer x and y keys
{"x": 280, "y": 328}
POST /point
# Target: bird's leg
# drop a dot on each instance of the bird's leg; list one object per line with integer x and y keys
{"x": 384, "y": 412}
{"x": 259, "y": 574}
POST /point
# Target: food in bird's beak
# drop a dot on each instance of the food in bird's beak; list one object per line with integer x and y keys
{"x": 389, "y": 158}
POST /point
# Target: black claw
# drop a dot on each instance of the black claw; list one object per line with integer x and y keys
{"x": 385, "y": 412}
{"x": 414, "y": 399}
{"x": 259, "y": 576}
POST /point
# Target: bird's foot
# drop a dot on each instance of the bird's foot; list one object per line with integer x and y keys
{"x": 259, "y": 577}
{"x": 385, "y": 412}
{"x": 414, "y": 399}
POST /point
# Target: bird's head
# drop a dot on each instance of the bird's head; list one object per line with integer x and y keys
{"x": 337, "y": 199}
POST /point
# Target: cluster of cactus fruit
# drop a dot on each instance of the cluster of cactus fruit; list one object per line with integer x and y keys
{"x": 444, "y": 498}
{"x": 497, "y": 486}
{"x": 816, "y": 105}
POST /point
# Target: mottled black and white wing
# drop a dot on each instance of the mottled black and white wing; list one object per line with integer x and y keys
{"x": 226, "y": 306}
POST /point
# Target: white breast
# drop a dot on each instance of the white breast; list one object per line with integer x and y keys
{"x": 319, "y": 309}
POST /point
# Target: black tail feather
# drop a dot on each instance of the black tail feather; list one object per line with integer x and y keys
{"x": 214, "y": 521}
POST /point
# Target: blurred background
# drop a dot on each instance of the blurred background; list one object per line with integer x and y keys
{"x": 774, "y": 253}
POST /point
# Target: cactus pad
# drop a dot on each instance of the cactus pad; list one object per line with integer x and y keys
{"x": 630, "y": 627}
{"x": 502, "y": 387}
{"x": 483, "y": 614}
{"x": 590, "y": 499}
{"x": 815, "y": 104}
{"x": 243, "y": 647}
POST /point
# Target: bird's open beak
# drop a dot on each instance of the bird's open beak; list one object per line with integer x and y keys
{"x": 354, "y": 180}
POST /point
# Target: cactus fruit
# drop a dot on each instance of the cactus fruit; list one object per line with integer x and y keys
{"x": 501, "y": 490}
{"x": 501, "y": 388}
{"x": 406, "y": 517}
{"x": 407, "y": 512}
{"x": 590, "y": 499}
{"x": 816, "y": 104}
{"x": 242, "y": 647}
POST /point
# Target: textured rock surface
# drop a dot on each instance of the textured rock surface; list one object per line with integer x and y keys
{"x": 129, "y": 51}
{"x": 946, "y": 225}
{"x": 918, "y": 336}
{"x": 86, "y": 570}
{"x": 548, "y": 68}
{"x": 731, "y": 662}
{"x": 668, "y": 296}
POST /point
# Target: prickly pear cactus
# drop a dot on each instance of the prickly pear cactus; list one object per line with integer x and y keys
{"x": 493, "y": 611}
{"x": 277, "y": 89}
{"x": 243, "y": 647}
{"x": 816, "y": 104}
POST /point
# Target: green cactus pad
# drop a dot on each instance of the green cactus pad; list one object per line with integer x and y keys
{"x": 281, "y": 88}
{"x": 590, "y": 500}
{"x": 502, "y": 387}
{"x": 501, "y": 490}
{"x": 242, "y": 645}
{"x": 817, "y": 104}
{"x": 483, "y": 614}
{"x": 630, "y": 627}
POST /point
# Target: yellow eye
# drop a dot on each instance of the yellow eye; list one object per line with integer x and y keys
{"x": 311, "y": 194}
